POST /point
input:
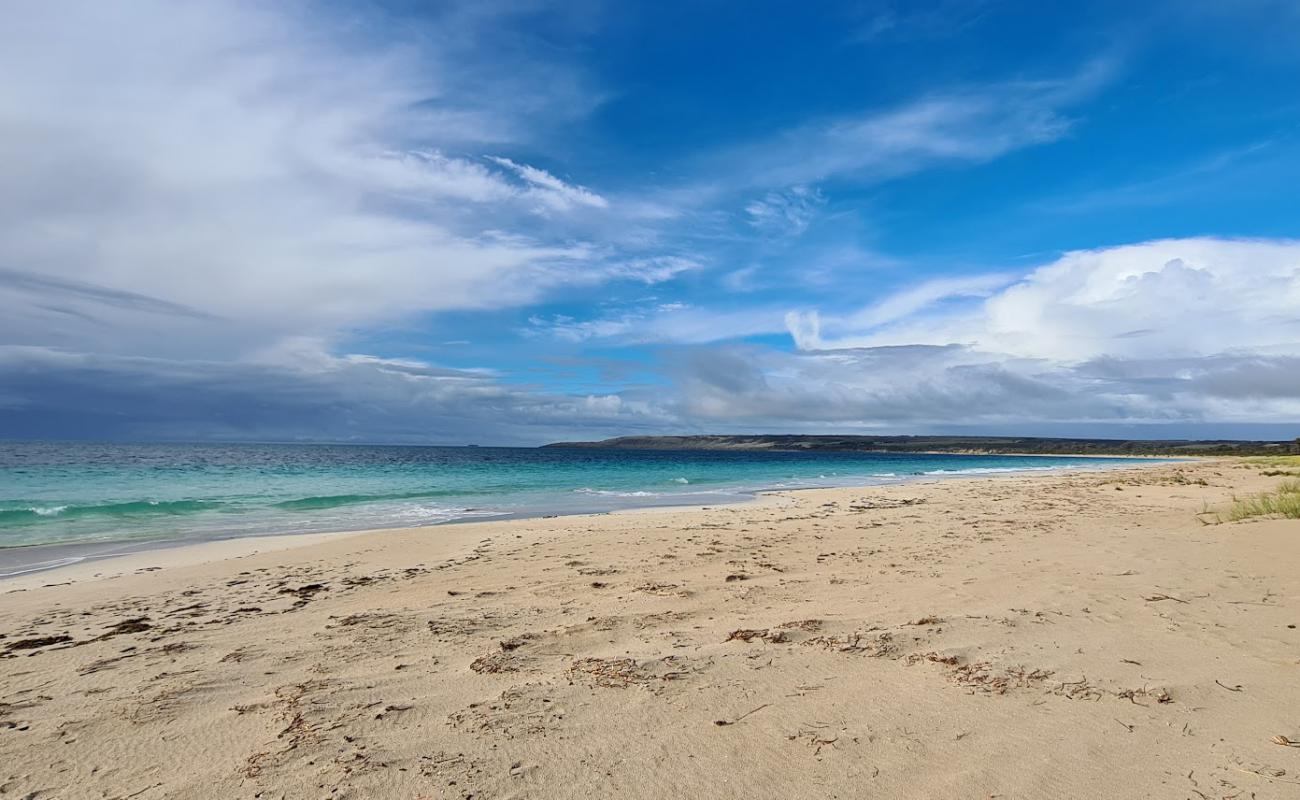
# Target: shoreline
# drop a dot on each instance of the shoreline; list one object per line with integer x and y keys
{"x": 122, "y": 554}
{"x": 934, "y": 638}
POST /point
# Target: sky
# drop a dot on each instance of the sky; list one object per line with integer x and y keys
{"x": 516, "y": 222}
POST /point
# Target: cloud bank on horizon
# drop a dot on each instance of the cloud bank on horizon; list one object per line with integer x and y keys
{"x": 511, "y": 223}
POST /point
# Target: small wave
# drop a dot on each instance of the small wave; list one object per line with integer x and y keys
{"x": 30, "y": 513}
{"x": 983, "y": 470}
{"x": 37, "y": 513}
{"x": 424, "y": 513}
{"x": 43, "y": 565}
{"x": 325, "y": 501}
{"x": 328, "y": 501}
{"x": 611, "y": 493}
{"x": 680, "y": 480}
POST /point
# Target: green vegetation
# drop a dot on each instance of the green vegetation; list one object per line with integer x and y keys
{"x": 1281, "y": 502}
{"x": 1277, "y": 466}
{"x": 1275, "y": 461}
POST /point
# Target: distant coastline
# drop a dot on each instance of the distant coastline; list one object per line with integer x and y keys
{"x": 963, "y": 445}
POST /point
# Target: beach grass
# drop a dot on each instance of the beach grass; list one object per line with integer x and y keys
{"x": 1284, "y": 501}
{"x": 1275, "y": 461}
{"x": 1277, "y": 466}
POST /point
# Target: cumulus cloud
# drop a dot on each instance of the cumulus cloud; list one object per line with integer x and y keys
{"x": 1196, "y": 330}
{"x": 1168, "y": 298}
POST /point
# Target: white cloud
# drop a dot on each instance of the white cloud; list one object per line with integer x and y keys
{"x": 805, "y": 329}
{"x": 958, "y": 126}
{"x": 665, "y": 323}
{"x": 741, "y": 280}
{"x": 1167, "y": 332}
{"x": 203, "y": 199}
{"x": 789, "y": 212}
{"x": 272, "y": 169}
{"x": 905, "y": 303}
{"x": 655, "y": 269}
{"x": 568, "y": 329}
{"x": 1061, "y": 346}
{"x": 806, "y": 326}
{"x": 1168, "y": 298}
{"x": 551, "y": 192}
{"x": 1201, "y": 330}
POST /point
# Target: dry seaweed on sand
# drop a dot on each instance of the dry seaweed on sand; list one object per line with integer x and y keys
{"x": 802, "y": 625}
{"x": 765, "y": 634}
{"x": 619, "y": 673}
{"x": 877, "y": 646}
{"x": 135, "y": 625}
{"x": 38, "y": 641}
{"x": 495, "y": 663}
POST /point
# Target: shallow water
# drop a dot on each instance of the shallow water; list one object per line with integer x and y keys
{"x": 83, "y": 493}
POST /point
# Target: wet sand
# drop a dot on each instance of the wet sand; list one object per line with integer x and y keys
{"x": 1084, "y": 635}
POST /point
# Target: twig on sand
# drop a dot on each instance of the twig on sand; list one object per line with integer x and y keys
{"x": 1266, "y": 776}
{"x": 1284, "y": 741}
{"x": 137, "y": 794}
{"x": 1236, "y": 688}
{"x": 1157, "y": 597}
{"x": 1127, "y": 726}
{"x": 721, "y": 722}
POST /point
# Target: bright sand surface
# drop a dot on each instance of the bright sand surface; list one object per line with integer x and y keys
{"x": 1025, "y": 636}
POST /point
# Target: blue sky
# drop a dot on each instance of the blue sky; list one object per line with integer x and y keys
{"x": 510, "y": 222}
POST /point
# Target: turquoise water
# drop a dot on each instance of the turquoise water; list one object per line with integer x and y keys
{"x": 79, "y": 493}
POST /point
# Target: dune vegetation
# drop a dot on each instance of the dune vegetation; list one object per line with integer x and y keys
{"x": 1284, "y": 501}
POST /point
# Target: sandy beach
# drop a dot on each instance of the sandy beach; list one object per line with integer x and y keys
{"x": 1018, "y": 636}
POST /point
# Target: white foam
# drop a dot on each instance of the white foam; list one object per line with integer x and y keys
{"x": 426, "y": 513}
{"x": 982, "y": 470}
{"x": 43, "y": 565}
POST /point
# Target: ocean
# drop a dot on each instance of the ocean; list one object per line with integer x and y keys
{"x": 84, "y": 493}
